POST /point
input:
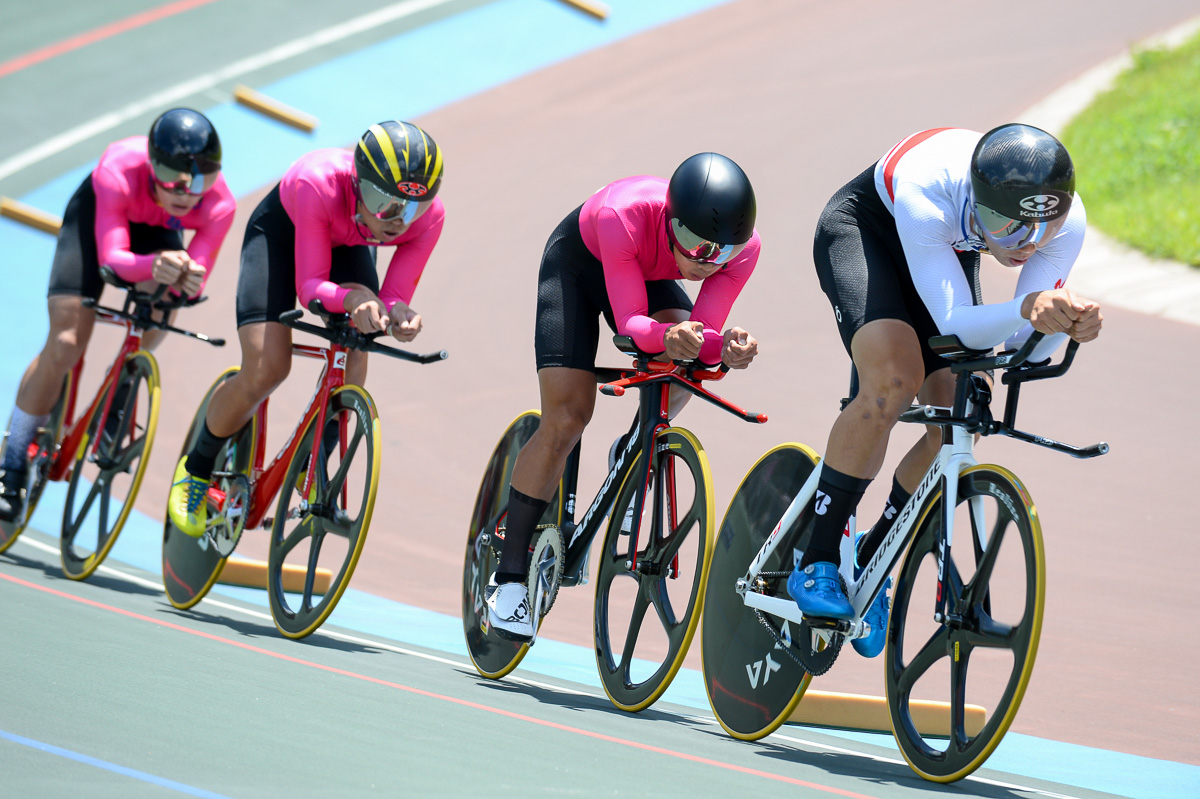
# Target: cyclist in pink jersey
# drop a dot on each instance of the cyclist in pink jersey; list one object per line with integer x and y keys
{"x": 314, "y": 237}
{"x": 621, "y": 255}
{"x": 897, "y": 252}
{"x": 129, "y": 214}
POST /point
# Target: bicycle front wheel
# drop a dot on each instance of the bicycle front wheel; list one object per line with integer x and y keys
{"x": 319, "y": 537}
{"x": 754, "y": 682}
{"x": 191, "y": 566}
{"x": 109, "y": 466}
{"x": 655, "y": 568}
{"x": 995, "y": 581}
{"x": 42, "y": 452}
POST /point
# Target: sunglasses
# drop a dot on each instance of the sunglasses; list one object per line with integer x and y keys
{"x": 699, "y": 249}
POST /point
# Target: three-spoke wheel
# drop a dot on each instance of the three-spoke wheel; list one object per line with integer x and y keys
{"x": 192, "y": 565}
{"x": 109, "y": 466}
{"x": 494, "y": 656}
{"x": 995, "y": 582}
{"x": 652, "y": 570}
{"x": 751, "y": 668}
{"x": 325, "y": 528}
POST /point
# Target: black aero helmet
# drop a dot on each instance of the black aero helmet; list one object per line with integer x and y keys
{"x": 1022, "y": 182}
{"x": 184, "y": 150}
{"x": 710, "y": 208}
{"x": 399, "y": 168}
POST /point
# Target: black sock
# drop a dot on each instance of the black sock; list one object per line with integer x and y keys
{"x": 524, "y": 512}
{"x": 203, "y": 458}
{"x": 870, "y": 543}
{"x": 836, "y": 498}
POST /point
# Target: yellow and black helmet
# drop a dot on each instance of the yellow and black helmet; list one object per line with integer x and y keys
{"x": 398, "y": 165}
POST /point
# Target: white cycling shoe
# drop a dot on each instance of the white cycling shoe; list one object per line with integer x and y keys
{"x": 509, "y": 613}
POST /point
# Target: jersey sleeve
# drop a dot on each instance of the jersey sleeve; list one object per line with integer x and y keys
{"x": 112, "y": 228}
{"x": 210, "y": 234}
{"x": 409, "y": 260}
{"x": 1048, "y": 269}
{"x": 925, "y": 234}
{"x": 314, "y": 247}
{"x": 716, "y": 297}
{"x": 626, "y": 283}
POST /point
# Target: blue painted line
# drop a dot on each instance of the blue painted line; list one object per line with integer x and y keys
{"x": 104, "y": 764}
{"x": 459, "y": 56}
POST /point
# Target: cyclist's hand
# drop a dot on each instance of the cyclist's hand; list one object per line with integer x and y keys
{"x": 683, "y": 341}
{"x": 1053, "y": 311}
{"x": 1087, "y": 326}
{"x": 367, "y": 311}
{"x": 169, "y": 265}
{"x": 739, "y": 348}
{"x": 191, "y": 280}
{"x": 406, "y": 323}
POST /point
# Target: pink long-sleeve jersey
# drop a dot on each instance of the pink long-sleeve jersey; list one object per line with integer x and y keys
{"x": 624, "y": 225}
{"x": 124, "y": 187}
{"x": 318, "y": 192}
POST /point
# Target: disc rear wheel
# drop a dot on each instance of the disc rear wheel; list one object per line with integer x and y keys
{"x": 42, "y": 451}
{"x": 492, "y": 655}
{"x": 752, "y": 671}
{"x": 191, "y": 566}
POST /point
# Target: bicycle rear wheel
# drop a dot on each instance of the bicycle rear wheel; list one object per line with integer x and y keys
{"x": 996, "y": 596}
{"x": 753, "y": 686}
{"x": 105, "y": 478}
{"x": 191, "y": 566}
{"x": 656, "y": 565}
{"x": 42, "y": 452}
{"x": 493, "y": 656}
{"x": 333, "y": 524}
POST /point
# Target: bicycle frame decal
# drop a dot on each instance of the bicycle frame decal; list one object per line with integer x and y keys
{"x": 602, "y": 494}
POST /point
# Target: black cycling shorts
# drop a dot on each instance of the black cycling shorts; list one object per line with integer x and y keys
{"x": 572, "y": 297}
{"x": 76, "y": 266}
{"x": 267, "y": 280}
{"x": 863, "y": 271}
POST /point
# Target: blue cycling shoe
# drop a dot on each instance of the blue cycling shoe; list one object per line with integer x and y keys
{"x": 818, "y": 592}
{"x": 876, "y": 618}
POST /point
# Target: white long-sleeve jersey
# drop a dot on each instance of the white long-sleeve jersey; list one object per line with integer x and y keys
{"x": 925, "y": 182}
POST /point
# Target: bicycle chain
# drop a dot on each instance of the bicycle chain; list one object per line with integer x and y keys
{"x": 828, "y": 655}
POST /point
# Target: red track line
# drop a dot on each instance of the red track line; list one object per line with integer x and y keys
{"x": 103, "y": 32}
{"x": 463, "y": 702}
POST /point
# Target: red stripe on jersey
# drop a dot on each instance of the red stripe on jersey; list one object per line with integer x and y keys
{"x": 891, "y": 159}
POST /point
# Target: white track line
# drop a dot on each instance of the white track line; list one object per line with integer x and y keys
{"x": 705, "y": 720}
{"x": 203, "y": 83}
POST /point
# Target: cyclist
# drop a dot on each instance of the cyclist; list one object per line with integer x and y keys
{"x": 897, "y": 252}
{"x": 128, "y": 214}
{"x": 621, "y": 255}
{"x": 314, "y": 236}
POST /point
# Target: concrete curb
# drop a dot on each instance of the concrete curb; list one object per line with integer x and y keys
{"x": 1107, "y": 270}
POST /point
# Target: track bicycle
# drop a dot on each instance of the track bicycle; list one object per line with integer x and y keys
{"x": 658, "y": 500}
{"x": 104, "y": 452}
{"x": 977, "y": 605}
{"x": 326, "y": 477}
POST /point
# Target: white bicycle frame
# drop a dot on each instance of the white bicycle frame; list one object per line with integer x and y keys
{"x": 955, "y": 455}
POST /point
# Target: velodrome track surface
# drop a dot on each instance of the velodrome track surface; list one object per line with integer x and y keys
{"x": 803, "y": 95}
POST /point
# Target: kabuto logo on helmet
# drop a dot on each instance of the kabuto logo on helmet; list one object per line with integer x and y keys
{"x": 1040, "y": 203}
{"x": 412, "y": 189}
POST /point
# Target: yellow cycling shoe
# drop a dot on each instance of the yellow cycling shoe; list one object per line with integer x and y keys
{"x": 186, "y": 505}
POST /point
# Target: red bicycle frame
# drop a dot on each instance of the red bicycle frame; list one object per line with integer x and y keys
{"x": 60, "y": 467}
{"x": 265, "y": 482}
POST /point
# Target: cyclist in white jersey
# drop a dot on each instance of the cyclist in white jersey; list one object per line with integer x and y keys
{"x": 897, "y": 252}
